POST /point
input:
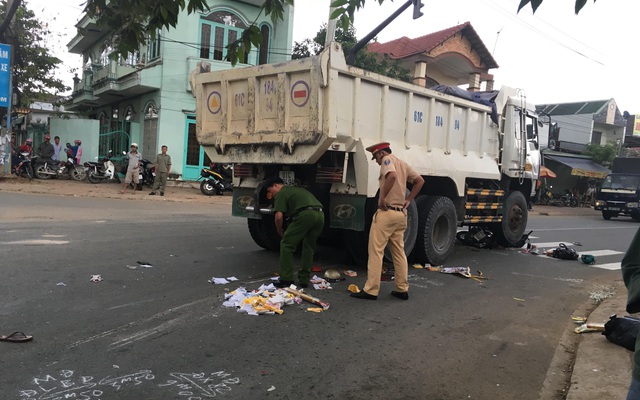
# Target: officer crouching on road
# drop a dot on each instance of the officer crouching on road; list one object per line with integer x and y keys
{"x": 307, "y": 222}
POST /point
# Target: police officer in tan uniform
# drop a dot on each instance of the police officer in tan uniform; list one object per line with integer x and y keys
{"x": 390, "y": 222}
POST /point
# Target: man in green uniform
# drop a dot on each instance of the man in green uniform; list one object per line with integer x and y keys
{"x": 631, "y": 275}
{"x": 163, "y": 167}
{"x": 307, "y": 221}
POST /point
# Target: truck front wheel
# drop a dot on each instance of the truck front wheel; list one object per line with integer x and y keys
{"x": 514, "y": 220}
{"x": 263, "y": 232}
{"x": 436, "y": 229}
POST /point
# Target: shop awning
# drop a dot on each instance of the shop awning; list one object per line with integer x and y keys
{"x": 582, "y": 166}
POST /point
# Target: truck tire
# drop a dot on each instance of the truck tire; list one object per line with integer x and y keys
{"x": 437, "y": 225}
{"x": 514, "y": 220}
{"x": 263, "y": 232}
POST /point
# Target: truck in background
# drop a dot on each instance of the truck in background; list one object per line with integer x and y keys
{"x": 310, "y": 120}
{"x": 620, "y": 191}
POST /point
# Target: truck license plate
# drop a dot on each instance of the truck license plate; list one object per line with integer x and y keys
{"x": 289, "y": 177}
{"x": 614, "y": 208}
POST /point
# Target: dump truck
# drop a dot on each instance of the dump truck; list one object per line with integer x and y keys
{"x": 310, "y": 120}
{"x": 620, "y": 190}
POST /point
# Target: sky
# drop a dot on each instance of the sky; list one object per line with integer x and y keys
{"x": 555, "y": 56}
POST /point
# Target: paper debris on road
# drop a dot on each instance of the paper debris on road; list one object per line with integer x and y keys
{"x": 320, "y": 283}
{"x": 218, "y": 281}
{"x": 61, "y": 284}
{"x": 462, "y": 271}
{"x": 315, "y": 309}
{"x": 589, "y": 327}
{"x": 232, "y": 278}
{"x": 350, "y": 273}
{"x": 95, "y": 278}
{"x": 265, "y": 300}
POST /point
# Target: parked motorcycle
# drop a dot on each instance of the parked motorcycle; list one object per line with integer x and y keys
{"x": 217, "y": 179}
{"x": 569, "y": 199}
{"x": 47, "y": 169}
{"x": 546, "y": 196}
{"x": 23, "y": 166}
{"x": 102, "y": 170}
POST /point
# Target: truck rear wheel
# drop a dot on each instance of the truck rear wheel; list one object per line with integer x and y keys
{"x": 436, "y": 229}
{"x": 263, "y": 232}
{"x": 514, "y": 220}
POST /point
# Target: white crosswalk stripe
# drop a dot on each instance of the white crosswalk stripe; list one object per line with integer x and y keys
{"x": 596, "y": 253}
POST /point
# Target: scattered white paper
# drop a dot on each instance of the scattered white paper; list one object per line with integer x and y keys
{"x": 146, "y": 266}
{"x": 219, "y": 281}
{"x": 232, "y": 279}
{"x": 95, "y": 278}
{"x": 272, "y": 388}
{"x": 275, "y": 278}
{"x": 61, "y": 284}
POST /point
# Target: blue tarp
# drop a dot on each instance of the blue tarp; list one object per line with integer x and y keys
{"x": 485, "y": 98}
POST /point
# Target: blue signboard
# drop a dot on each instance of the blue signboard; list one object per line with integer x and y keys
{"x": 5, "y": 74}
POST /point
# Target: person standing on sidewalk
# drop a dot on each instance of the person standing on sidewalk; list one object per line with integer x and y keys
{"x": 307, "y": 222}
{"x": 57, "y": 148}
{"x": 46, "y": 149}
{"x": 133, "y": 169}
{"x": 390, "y": 222}
{"x": 631, "y": 275}
{"x": 163, "y": 167}
{"x": 78, "y": 151}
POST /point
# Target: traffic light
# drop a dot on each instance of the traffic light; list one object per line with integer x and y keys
{"x": 417, "y": 5}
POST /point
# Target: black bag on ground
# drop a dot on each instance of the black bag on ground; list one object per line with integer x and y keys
{"x": 622, "y": 331}
{"x": 564, "y": 253}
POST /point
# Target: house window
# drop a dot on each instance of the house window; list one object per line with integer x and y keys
{"x": 263, "y": 57}
{"x": 153, "y": 47}
{"x": 596, "y": 137}
{"x": 217, "y": 31}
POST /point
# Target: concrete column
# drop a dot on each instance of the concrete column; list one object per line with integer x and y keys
{"x": 474, "y": 82}
{"x": 420, "y": 74}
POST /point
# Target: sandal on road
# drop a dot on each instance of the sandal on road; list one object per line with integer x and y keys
{"x": 17, "y": 337}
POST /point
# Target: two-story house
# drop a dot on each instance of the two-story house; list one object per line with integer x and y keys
{"x": 146, "y": 97}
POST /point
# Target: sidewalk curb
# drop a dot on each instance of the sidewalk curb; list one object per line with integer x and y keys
{"x": 602, "y": 370}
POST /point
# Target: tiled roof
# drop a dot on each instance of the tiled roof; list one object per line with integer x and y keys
{"x": 583, "y": 107}
{"x": 405, "y": 47}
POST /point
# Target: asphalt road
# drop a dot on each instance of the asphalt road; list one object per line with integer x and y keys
{"x": 162, "y": 332}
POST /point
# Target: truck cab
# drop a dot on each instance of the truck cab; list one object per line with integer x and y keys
{"x": 619, "y": 195}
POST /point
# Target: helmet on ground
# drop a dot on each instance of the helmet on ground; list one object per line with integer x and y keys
{"x": 331, "y": 273}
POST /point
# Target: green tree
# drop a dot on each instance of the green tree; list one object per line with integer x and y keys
{"x": 34, "y": 67}
{"x": 132, "y": 22}
{"x": 365, "y": 59}
{"x": 603, "y": 155}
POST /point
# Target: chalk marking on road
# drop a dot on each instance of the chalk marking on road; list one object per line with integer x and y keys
{"x": 53, "y": 236}
{"x": 100, "y": 222}
{"x": 414, "y": 278}
{"x": 37, "y": 242}
{"x": 134, "y": 323}
{"x": 130, "y": 304}
{"x": 145, "y": 333}
{"x": 569, "y": 280}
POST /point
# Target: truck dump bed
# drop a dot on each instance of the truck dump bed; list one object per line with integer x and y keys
{"x": 294, "y": 112}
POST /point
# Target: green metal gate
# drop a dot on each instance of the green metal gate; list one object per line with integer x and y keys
{"x": 116, "y": 141}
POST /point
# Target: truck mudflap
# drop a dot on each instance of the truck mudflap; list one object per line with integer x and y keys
{"x": 347, "y": 212}
{"x": 243, "y": 198}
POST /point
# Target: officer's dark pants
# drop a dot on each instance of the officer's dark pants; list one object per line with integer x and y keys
{"x": 306, "y": 228}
